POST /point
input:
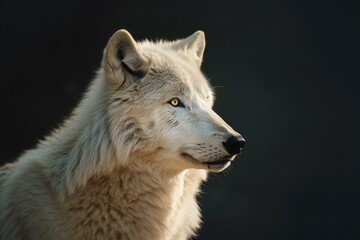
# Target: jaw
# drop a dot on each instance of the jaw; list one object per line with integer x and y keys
{"x": 219, "y": 167}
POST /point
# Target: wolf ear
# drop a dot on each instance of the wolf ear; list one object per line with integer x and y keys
{"x": 194, "y": 45}
{"x": 122, "y": 59}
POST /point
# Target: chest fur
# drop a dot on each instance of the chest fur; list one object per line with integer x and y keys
{"x": 138, "y": 205}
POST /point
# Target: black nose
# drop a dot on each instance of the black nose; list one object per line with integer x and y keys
{"x": 234, "y": 144}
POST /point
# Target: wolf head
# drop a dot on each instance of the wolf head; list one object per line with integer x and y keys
{"x": 160, "y": 105}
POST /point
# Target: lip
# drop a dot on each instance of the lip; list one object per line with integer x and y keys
{"x": 219, "y": 162}
{"x": 215, "y": 166}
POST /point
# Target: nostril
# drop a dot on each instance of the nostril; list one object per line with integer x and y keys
{"x": 234, "y": 144}
{"x": 242, "y": 142}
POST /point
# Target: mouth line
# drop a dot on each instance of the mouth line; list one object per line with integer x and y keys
{"x": 223, "y": 161}
{"x": 219, "y": 162}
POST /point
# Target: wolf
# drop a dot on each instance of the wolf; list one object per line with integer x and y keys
{"x": 129, "y": 162}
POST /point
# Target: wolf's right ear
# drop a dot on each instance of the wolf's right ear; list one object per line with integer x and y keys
{"x": 122, "y": 60}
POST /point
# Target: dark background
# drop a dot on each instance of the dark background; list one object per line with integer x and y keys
{"x": 286, "y": 76}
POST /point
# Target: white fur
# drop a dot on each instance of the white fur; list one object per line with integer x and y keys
{"x": 127, "y": 164}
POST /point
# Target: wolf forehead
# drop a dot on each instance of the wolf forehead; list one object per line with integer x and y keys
{"x": 168, "y": 81}
{"x": 173, "y": 74}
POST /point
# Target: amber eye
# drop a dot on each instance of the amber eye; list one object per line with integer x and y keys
{"x": 175, "y": 102}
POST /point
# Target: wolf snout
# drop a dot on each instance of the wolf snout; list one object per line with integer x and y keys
{"x": 234, "y": 144}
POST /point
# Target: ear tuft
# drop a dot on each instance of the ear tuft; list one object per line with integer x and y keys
{"x": 122, "y": 59}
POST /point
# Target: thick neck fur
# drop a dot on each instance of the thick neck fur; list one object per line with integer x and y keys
{"x": 133, "y": 194}
{"x": 82, "y": 147}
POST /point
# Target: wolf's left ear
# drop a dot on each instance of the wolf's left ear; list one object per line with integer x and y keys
{"x": 122, "y": 59}
{"x": 194, "y": 45}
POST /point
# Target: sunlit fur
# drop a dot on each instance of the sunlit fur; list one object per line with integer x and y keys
{"x": 126, "y": 164}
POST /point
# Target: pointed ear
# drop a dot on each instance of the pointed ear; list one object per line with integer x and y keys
{"x": 194, "y": 45}
{"x": 122, "y": 60}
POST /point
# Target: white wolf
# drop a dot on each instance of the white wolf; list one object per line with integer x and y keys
{"x": 129, "y": 161}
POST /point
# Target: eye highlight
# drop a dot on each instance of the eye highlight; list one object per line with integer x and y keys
{"x": 175, "y": 102}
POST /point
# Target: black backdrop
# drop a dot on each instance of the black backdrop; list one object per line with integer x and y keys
{"x": 286, "y": 76}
